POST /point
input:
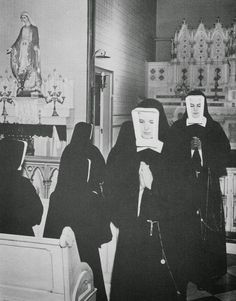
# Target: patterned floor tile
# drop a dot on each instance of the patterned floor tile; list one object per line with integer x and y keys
{"x": 232, "y": 270}
{"x": 194, "y": 294}
{"x": 229, "y": 296}
{"x": 224, "y": 284}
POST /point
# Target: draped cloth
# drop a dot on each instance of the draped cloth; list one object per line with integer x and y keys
{"x": 196, "y": 201}
{"x": 43, "y": 130}
{"x": 20, "y": 205}
{"x": 138, "y": 273}
{"x": 78, "y": 202}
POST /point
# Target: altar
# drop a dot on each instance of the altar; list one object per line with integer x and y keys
{"x": 31, "y": 110}
{"x": 31, "y": 119}
{"x": 39, "y": 118}
{"x": 203, "y": 59}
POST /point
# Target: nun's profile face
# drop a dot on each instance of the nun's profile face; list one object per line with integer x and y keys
{"x": 146, "y": 123}
{"x": 196, "y": 106}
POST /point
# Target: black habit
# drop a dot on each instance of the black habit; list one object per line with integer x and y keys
{"x": 20, "y": 205}
{"x": 195, "y": 197}
{"x": 141, "y": 268}
{"x": 78, "y": 201}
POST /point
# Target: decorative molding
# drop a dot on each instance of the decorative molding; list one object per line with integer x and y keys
{"x": 42, "y": 171}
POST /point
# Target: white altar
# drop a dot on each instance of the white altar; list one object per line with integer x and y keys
{"x": 31, "y": 119}
{"x": 202, "y": 59}
{"x": 31, "y": 110}
{"x": 53, "y": 105}
{"x": 41, "y": 118}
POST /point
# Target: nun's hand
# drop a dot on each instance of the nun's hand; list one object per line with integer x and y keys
{"x": 146, "y": 175}
{"x": 141, "y": 179}
{"x": 196, "y": 143}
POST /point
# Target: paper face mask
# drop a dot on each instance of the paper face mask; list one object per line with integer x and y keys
{"x": 195, "y": 108}
{"x": 146, "y": 124}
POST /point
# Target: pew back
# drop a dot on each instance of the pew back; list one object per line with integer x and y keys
{"x": 43, "y": 269}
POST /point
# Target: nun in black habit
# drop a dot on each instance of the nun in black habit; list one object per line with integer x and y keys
{"x": 20, "y": 205}
{"x": 197, "y": 151}
{"x": 78, "y": 201}
{"x": 135, "y": 187}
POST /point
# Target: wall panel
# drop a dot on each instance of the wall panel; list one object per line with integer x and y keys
{"x": 126, "y": 30}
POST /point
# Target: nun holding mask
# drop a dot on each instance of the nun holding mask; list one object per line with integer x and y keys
{"x": 197, "y": 150}
{"x": 135, "y": 186}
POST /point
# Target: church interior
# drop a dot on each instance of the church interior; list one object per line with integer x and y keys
{"x": 94, "y": 61}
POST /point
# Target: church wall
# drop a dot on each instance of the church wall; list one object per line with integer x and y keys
{"x": 171, "y": 13}
{"x": 126, "y": 30}
{"x": 62, "y": 26}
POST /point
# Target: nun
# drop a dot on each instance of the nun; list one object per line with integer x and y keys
{"x": 135, "y": 187}
{"x": 20, "y": 205}
{"x": 197, "y": 151}
{"x": 78, "y": 201}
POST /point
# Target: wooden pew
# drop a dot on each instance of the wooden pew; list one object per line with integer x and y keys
{"x": 43, "y": 269}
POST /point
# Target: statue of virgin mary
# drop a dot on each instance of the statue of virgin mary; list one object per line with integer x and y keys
{"x": 25, "y": 58}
